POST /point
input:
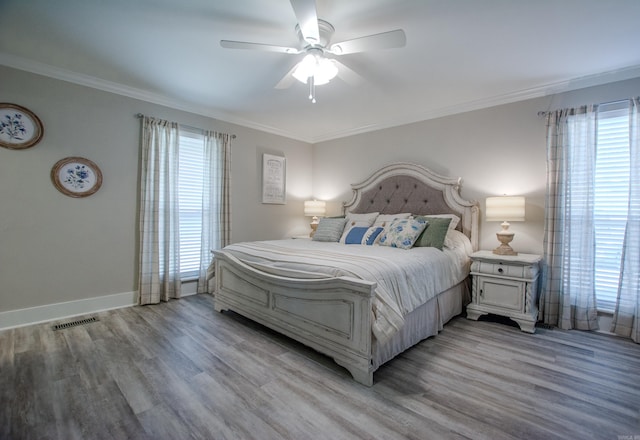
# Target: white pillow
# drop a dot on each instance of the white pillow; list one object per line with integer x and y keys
{"x": 456, "y": 239}
{"x": 357, "y": 220}
{"x": 384, "y": 220}
{"x": 365, "y": 218}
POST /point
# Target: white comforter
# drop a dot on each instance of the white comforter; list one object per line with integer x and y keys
{"x": 405, "y": 279}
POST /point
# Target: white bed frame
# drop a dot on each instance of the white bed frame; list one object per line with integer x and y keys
{"x": 333, "y": 316}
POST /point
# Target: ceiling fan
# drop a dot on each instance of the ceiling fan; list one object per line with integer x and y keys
{"x": 315, "y": 40}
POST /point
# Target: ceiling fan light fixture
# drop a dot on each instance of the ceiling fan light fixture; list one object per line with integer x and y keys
{"x": 305, "y": 68}
{"x": 321, "y": 69}
{"x": 326, "y": 70}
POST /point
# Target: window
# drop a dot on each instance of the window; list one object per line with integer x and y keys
{"x": 184, "y": 206}
{"x": 190, "y": 193}
{"x": 592, "y": 216}
{"x": 611, "y": 201}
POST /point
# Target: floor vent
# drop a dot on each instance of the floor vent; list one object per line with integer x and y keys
{"x": 74, "y": 323}
{"x": 545, "y": 326}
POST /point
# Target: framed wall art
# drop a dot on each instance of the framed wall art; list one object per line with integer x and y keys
{"x": 274, "y": 179}
{"x": 76, "y": 177}
{"x": 19, "y": 127}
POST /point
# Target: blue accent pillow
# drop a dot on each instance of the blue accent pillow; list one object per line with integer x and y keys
{"x": 403, "y": 233}
{"x": 357, "y": 220}
{"x": 362, "y": 235}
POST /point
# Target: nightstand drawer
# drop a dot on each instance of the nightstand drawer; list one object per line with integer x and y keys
{"x": 504, "y": 269}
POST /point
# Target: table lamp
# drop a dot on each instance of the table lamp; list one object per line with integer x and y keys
{"x": 314, "y": 208}
{"x": 505, "y": 209}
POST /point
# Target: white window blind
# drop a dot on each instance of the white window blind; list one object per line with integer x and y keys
{"x": 611, "y": 195}
{"x": 190, "y": 184}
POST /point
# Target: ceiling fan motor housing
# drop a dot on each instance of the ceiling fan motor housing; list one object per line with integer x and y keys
{"x": 325, "y": 30}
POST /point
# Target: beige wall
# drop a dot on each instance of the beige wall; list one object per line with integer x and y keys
{"x": 498, "y": 150}
{"x": 55, "y": 248}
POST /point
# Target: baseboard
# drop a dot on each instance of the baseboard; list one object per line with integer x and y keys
{"x": 51, "y": 312}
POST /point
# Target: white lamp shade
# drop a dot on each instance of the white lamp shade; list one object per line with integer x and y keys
{"x": 314, "y": 208}
{"x": 500, "y": 209}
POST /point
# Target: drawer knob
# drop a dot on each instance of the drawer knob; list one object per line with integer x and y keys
{"x": 500, "y": 270}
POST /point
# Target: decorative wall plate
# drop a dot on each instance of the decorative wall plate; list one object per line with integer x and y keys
{"x": 76, "y": 177}
{"x": 19, "y": 127}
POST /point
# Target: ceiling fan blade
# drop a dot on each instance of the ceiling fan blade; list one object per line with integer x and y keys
{"x": 307, "y": 16}
{"x": 288, "y": 80}
{"x": 348, "y": 75}
{"x": 384, "y": 40}
{"x": 228, "y": 44}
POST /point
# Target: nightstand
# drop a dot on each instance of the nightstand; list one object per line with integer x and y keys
{"x": 505, "y": 285}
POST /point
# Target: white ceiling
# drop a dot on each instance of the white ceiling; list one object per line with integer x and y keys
{"x": 460, "y": 55}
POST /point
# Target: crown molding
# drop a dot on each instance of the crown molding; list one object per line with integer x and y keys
{"x": 58, "y": 73}
{"x": 492, "y": 101}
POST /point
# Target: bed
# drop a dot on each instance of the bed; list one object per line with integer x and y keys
{"x": 348, "y": 309}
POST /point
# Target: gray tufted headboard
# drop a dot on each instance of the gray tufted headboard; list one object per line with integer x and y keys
{"x": 407, "y": 187}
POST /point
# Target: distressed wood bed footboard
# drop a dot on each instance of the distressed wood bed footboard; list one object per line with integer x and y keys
{"x": 332, "y": 316}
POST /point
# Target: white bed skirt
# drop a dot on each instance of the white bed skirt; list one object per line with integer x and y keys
{"x": 425, "y": 321}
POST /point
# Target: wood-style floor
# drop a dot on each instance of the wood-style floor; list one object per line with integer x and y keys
{"x": 180, "y": 370}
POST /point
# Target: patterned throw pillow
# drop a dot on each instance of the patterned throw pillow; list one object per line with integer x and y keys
{"x": 404, "y": 232}
{"x": 385, "y": 220}
{"x": 329, "y": 229}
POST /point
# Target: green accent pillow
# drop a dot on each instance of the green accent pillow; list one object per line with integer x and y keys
{"x": 434, "y": 234}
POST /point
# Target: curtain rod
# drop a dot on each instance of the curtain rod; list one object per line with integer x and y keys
{"x": 140, "y": 116}
{"x": 545, "y": 113}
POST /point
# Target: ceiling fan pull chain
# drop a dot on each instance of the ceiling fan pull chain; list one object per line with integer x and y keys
{"x": 312, "y": 89}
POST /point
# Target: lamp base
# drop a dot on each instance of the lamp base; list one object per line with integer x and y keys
{"x": 314, "y": 226}
{"x": 504, "y": 249}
